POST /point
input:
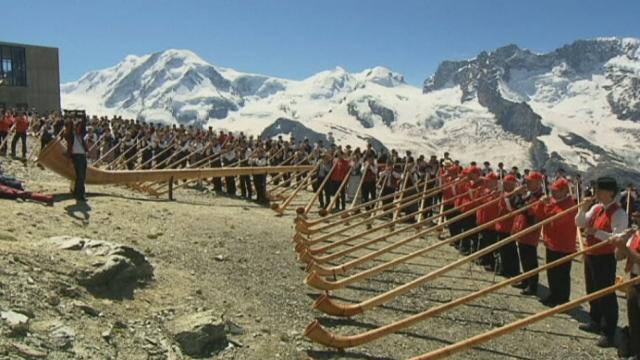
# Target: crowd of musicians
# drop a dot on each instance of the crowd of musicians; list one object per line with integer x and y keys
{"x": 343, "y": 175}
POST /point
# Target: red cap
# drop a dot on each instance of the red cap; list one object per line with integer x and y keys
{"x": 560, "y": 184}
{"x": 510, "y": 179}
{"x": 491, "y": 176}
{"x": 535, "y": 176}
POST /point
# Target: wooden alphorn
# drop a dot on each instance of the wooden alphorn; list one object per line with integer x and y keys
{"x": 305, "y": 210}
{"x": 320, "y": 335}
{"x": 338, "y": 309}
{"x": 492, "y": 334}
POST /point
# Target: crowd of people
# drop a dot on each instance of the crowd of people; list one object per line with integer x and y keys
{"x": 345, "y": 175}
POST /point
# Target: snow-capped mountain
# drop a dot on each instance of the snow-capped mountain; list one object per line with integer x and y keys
{"x": 577, "y": 106}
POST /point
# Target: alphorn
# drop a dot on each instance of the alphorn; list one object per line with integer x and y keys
{"x": 403, "y": 190}
{"x": 424, "y": 198}
{"x": 279, "y": 194}
{"x": 304, "y": 226}
{"x": 492, "y": 334}
{"x": 154, "y": 157}
{"x": 306, "y": 245}
{"x": 356, "y": 196}
{"x": 6, "y": 138}
{"x": 199, "y": 164}
{"x": 305, "y": 210}
{"x": 280, "y": 208}
{"x": 99, "y": 161}
{"x": 33, "y": 152}
{"x": 316, "y": 332}
{"x": 332, "y": 204}
{"x": 322, "y": 284}
{"x": 306, "y": 242}
{"x": 331, "y": 307}
{"x": 55, "y": 158}
{"x": 108, "y": 166}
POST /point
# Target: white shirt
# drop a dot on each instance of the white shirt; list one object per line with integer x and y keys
{"x": 635, "y": 269}
{"x": 619, "y": 221}
{"x": 77, "y": 145}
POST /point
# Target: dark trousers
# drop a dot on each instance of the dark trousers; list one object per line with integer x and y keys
{"x": 454, "y": 227}
{"x": 217, "y": 182}
{"x": 509, "y": 264}
{"x": 633, "y": 312}
{"x": 559, "y": 277}
{"x": 387, "y": 202}
{"x": 80, "y": 167}
{"x": 230, "y": 183}
{"x": 529, "y": 261}
{"x": 468, "y": 243}
{"x": 260, "y": 183}
{"x": 368, "y": 192}
{"x": 341, "y": 203}
{"x": 245, "y": 186}
{"x": 489, "y": 237}
{"x": 23, "y": 139}
{"x": 323, "y": 195}
{"x": 600, "y": 272}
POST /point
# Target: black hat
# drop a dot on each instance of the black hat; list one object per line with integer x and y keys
{"x": 607, "y": 183}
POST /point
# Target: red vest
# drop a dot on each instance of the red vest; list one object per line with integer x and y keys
{"x": 489, "y": 212}
{"x": 504, "y": 226}
{"x": 341, "y": 170}
{"x": 635, "y": 246}
{"x": 601, "y": 220}
{"x": 522, "y": 221}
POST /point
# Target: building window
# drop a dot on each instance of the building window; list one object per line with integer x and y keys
{"x": 13, "y": 66}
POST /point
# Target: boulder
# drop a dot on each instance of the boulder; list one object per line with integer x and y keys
{"x": 17, "y": 322}
{"x": 199, "y": 334}
{"x": 110, "y": 270}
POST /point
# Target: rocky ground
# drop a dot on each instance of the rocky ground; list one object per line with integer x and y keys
{"x": 227, "y": 267}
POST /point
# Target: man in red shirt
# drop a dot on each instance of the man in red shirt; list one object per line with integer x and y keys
{"x": 6, "y": 122}
{"x": 22, "y": 126}
{"x": 341, "y": 171}
{"x": 488, "y": 236}
{"x": 509, "y": 261}
{"x": 559, "y": 239}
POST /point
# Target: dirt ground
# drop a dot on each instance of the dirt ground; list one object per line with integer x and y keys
{"x": 237, "y": 258}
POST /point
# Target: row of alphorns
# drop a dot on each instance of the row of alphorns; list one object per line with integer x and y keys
{"x": 315, "y": 238}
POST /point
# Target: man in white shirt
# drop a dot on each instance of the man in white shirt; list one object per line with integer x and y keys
{"x": 602, "y": 221}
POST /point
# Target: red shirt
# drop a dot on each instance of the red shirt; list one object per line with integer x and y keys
{"x": 635, "y": 246}
{"x": 504, "y": 207}
{"x": 6, "y": 123}
{"x": 489, "y": 212}
{"x": 560, "y": 234}
{"x": 22, "y": 124}
{"x": 524, "y": 220}
{"x": 341, "y": 170}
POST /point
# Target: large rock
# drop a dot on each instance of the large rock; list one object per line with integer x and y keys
{"x": 18, "y": 323}
{"x": 199, "y": 334}
{"x": 111, "y": 270}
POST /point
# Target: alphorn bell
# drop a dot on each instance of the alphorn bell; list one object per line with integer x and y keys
{"x": 319, "y": 283}
{"x": 306, "y": 242}
{"x": 379, "y": 238}
{"x": 320, "y": 335}
{"x": 328, "y": 306}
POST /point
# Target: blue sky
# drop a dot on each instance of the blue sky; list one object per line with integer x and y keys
{"x": 295, "y": 39}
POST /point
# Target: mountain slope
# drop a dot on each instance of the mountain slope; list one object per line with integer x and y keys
{"x": 577, "y": 106}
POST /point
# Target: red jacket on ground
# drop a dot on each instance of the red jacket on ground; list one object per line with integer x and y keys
{"x": 560, "y": 234}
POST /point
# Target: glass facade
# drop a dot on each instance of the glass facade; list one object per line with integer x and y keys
{"x": 13, "y": 66}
